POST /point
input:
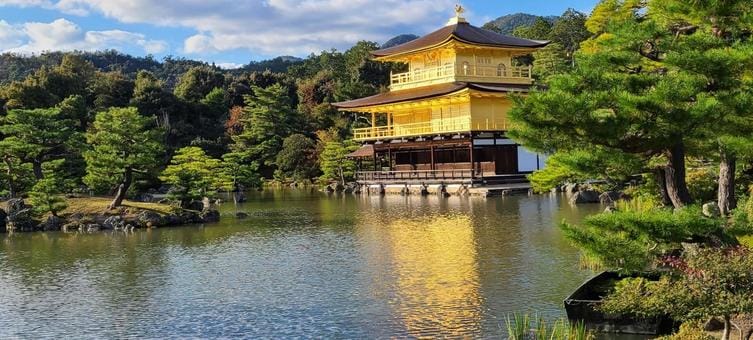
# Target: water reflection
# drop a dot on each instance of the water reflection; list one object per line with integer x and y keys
{"x": 303, "y": 265}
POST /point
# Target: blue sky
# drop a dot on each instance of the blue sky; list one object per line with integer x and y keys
{"x": 234, "y": 32}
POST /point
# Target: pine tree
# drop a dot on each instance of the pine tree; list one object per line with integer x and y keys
{"x": 46, "y": 196}
{"x": 334, "y": 161}
{"x": 266, "y": 120}
{"x": 38, "y": 136}
{"x": 123, "y": 144}
{"x": 639, "y": 89}
{"x": 194, "y": 175}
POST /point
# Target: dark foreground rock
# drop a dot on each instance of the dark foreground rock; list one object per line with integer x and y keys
{"x": 3, "y": 216}
{"x": 585, "y": 196}
{"x": 20, "y": 216}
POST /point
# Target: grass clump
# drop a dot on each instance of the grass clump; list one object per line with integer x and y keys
{"x": 527, "y": 327}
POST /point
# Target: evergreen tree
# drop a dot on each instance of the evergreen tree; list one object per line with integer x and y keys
{"x": 639, "y": 90}
{"x": 194, "y": 175}
{"x": 41, "y": 135}
{"x": 298, "y": 158}
{"x": 123, "y": 144}
{"x": 195, "y": 84}
{"x": 334, "y": 161}
{"x": 242, "y": 172}
{"x": 46, "y": 196}
{"x": 267, "y": 119}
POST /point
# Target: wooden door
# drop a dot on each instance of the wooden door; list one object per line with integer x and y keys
{"x": 506, "y": 159}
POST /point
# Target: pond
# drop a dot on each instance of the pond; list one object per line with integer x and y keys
{"x": 303, "y": 264}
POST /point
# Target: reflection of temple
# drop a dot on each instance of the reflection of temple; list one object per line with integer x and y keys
{"x": 433, "y": 283}
{"x": 444, "y": 120}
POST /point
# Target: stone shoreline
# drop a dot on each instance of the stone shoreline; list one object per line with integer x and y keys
{"x": 91, "y": 214}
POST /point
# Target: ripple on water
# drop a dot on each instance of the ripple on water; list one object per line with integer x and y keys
{"x": 302, "y": 265}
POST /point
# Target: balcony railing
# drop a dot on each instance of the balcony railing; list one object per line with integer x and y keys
{"x": 417, "y": 175}
{"x": 448, "y": 72}
{"x": 448, "y": 125}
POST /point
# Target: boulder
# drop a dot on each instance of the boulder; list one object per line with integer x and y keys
{"x": 206, "y": 203}
{"x": 3, "y": 216}
{"x": 241, "y": 215}
{"x": 114, "y": 223}
{"x": 611, "y": 197}
{"x": 19, "y": 216}
{"x": 571, "y": 188}
{"x": 585, "y": 196}
{"x": 711, "y": 210}
{"x": 148, "y": 198}
{"x": 210, "y": 216}
{"x": 196, "y": 205}
{"x": 53, "y": 223}
{"x": 150, "y": 219}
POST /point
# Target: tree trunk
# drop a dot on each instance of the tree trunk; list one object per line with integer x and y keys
{"x": 36, "y": 166}
{"x": 122, "y": 189}
{"x": 677, "y": 188}
{"x": 727, "y": 328}
{"x": 726, "y": 198}
{"x": 661, "y": 181}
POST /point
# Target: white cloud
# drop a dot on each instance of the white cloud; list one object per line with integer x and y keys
{"x": 9, "y": 36}
{"x": 273, "y": 27}
{"x": 64, "y": 35}
{"x": 229, "y": 66}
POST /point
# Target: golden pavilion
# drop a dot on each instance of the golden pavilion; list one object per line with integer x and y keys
{"x": 444, "y": 119}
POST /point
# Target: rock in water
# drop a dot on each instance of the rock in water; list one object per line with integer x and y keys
{"x": 611, "y": 197}
{"x": 113, "y": 223}
{"x": 241, "y": 215}
{"x": 53, "y": 223}
{"x": 711, "y": 210}
{"x": 196, "y": 205}
{"x": 210, "y": 215}
{"x": 150, "y": 219}
{"x": 19, "y": 216}
{"x": 585, "y": 196}
{"x": 3, "y": 216}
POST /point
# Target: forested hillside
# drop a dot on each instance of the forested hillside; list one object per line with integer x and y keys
{"x": 271, "y": 119}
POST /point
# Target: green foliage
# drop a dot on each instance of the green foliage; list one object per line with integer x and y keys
{"x": 298, "y": 158}
{"x": 632, "y": 240}
{"x": 690, "y": 331}
{"x": 335, "y": 164}
{"x": 38, "y": 136}
{"x": 194, "y": 175}
{"x": 242, "y": 172}
{"x": 579, "y": 165}
{"x": 46, "y": 196}
{"x": 122, "y": 142}
{"x": 267, "y": 119}
{"x": 550, "y": 60}
{"x": 195, "y": 84}
{"x": 702, "y": 183}
{"x": 704, "y": 283}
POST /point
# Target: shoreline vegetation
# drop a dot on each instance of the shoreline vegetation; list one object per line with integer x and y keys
{"x": 89, "y": 214}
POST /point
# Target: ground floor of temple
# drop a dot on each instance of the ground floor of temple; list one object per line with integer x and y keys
{"x": 471, "y": 159}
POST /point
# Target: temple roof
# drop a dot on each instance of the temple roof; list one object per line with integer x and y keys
{"x": 427, "y": 92}
{"x": 464, "y": 32}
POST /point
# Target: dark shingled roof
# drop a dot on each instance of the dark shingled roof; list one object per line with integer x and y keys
{"x": 464, "y": 32}
{"x": 427, "y": 92}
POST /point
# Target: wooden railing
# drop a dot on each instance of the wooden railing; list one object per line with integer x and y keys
{"x": 447, "y": 125}
{"x": 415, "y": 176}
{"x": 439, "y": 74}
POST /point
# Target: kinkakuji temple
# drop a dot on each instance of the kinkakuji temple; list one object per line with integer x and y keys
{"x": 444, "y": 120}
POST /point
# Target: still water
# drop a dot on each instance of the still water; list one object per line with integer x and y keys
{"x": 303, "y": 264}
